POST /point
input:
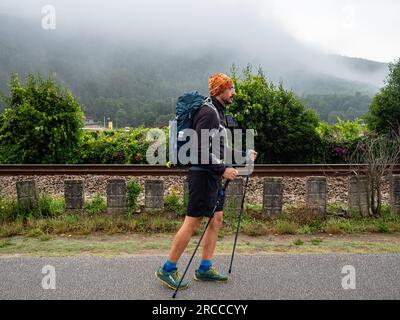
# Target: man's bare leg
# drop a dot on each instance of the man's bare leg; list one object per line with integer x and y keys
{"x": 211, "y": 236}
{"x": 182, "y": 238}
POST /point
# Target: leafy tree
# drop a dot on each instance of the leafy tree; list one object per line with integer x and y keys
{"x": 384, "y": 114}
{"x": 42, "y": 123}
{"x": 286, "y": 130}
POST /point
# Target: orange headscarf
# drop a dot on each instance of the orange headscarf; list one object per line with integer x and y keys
{"x": 218, "y": 83}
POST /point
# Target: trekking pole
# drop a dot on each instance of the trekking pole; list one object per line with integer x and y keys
{"x": 238, "y": 224}
{"x": 220, "y": 195}
{"x": 249, "y": 168}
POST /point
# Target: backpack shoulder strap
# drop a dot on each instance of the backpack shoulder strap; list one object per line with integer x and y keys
{"x": 208, "y": 102}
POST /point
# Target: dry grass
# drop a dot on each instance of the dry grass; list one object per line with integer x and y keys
{"x": 136, "y": 244}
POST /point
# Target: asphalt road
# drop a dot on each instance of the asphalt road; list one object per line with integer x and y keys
{"x": 254, "y": 277}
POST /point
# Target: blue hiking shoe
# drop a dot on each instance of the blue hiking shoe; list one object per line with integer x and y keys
{"x": 210, "y": 275}
{"x": 171, "y": 279}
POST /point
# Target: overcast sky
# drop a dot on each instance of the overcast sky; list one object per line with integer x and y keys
{"x": 358, "y": 28}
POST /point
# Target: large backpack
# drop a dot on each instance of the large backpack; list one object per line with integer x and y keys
{"x": 186, "y": 107}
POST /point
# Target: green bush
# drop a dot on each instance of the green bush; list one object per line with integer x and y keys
{"x": 50, "y": 206}
{"x": 95, "y": 205}
{"x": 334, "y": 143}
{"x": 6, "y": 210}
{"x": 173, "y": 203}
{"x": 383, "y": 227}
{"x": 46, "y": 207}
{"x": 115, "y": 147}
{"x": 340, "y": 140}
{"x": 42, "y": 123}
{"x": 134, "y": 189}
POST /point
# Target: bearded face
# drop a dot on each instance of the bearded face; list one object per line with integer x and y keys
{"x": 227, "y": 96}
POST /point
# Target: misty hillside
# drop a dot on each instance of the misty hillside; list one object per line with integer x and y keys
{"x": 137, "y": 83}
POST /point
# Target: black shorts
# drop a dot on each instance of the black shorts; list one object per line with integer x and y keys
{"x": 204, "y": 188}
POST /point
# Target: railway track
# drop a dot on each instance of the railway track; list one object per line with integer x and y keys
{"x": 294, "y": 170}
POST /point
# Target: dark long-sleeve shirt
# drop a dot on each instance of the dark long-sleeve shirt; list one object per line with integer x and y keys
{"x": 206, "y": 118}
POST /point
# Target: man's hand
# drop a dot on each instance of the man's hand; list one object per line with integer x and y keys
{"x": 252, "y": 155}
{"x": 230, "y": 173}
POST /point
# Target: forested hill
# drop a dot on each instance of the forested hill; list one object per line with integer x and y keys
{"x": 137, "y": 84}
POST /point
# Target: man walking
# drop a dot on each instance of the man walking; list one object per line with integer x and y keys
{"x": 205, "y": 181}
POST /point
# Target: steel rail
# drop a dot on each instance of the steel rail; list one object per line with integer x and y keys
{"x": 295, "y": 170}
